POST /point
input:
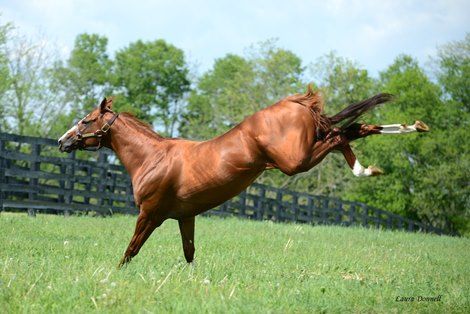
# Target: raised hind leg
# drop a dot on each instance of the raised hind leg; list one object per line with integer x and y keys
{"x": 187, "y": 236}
{"x": 357, "y": 130}
{"x": 145, "y": 225}
{"x": 356, "y": 167}
{"x": 403, "y": 128}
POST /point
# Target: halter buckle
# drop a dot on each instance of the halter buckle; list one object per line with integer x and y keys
{"x": 105, "y": 127}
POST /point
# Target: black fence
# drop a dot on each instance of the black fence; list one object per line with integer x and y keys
{"x": 36, "y": 177}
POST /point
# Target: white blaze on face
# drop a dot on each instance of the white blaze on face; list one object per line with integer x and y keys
{"x": 72, "y": 129}
{"x": 66, "y": 134}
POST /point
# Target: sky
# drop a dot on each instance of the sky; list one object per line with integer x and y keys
{"x": 370, "y": 32}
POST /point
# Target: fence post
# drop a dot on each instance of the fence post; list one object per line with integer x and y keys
{"x": 102, "y": 158}
{"x": 352, "y": 214}
{"x": 323, "y": 211}
{"x": 339, "y": 212}
{"x": 70, "y": 183}
{"x": 310, "y": 209}
{"x": 33, "y": 182}
{"x": 279, "y": 205}
{"x": 295, "y": 207}
{"x": 2, "y": 173}
{"x": 389, "y": 222}
{"x": 365, "y": 215}
{"x": 259, "y": 203}
{"x": 89, "y": 174}
{"x": 62, "y": 182}
{"x": 129, "y": 194}
{"x": 112, "y": 188}
{"x": 400, "y": 223}
{"x": 242, "y": 202}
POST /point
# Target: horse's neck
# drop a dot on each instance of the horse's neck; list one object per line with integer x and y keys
{"x": 132, "y": 147}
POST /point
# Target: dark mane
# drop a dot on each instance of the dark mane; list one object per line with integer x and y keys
{"x": 144, "y": 127}
{"x": 313, "y": 100}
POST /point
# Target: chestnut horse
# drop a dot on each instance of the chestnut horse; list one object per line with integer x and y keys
{"x": 179, "y": 179}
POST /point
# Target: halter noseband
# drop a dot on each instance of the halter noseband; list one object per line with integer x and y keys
{"x": 97, "y": 134}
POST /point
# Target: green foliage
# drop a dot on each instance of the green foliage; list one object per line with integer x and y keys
{"x": 416, "y": 184}
{"x": 151, "y": 79}
{"x": 27, "y": 105}
{"x": 454, "y": 70}
{"x": 342, "y": 81}
{"x": 239, "y": 86}
{"x": 5, "y": 79}
{"x": 85, "y": 78}
{"x": 222, "y": 98}
{"x": 53, "y": 264}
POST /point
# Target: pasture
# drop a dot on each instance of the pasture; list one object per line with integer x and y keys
{"x": 52, "y": 264}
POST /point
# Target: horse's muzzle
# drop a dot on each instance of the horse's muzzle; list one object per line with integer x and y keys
{"x": 66, "y": 146}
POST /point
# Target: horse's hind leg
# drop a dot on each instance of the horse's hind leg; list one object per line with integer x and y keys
{"x": 356, "y": 130}
{"x": 145, "y": 225}
{"x": 403, "y": 128}
{"x": 187, "y": 236}
{"x": 357, "y": 169}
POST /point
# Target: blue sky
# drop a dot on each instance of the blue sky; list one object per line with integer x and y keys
{"x": 371, "y": 32}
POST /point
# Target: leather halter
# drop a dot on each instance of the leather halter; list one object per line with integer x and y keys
{"x": 99, "y": 134}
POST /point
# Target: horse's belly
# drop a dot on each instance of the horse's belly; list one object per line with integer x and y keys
{"x": 205, "y": 196}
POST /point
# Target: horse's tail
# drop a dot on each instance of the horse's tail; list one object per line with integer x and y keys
{"x": 351, "y": 113}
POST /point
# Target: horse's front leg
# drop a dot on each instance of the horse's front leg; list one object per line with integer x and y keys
{"x": 187, "y": 236}
{"x": 146, "y": 224}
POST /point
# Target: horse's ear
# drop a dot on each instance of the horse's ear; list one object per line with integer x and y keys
{"x": 106, "y": 105}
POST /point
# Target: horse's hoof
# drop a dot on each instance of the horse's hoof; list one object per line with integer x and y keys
{"x": 124, "y": 261}
{"x": 375, "y": 171}
{"x": 421, "y": 126}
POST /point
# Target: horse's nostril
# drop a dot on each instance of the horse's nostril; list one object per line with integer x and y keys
{"x": 59, "y": 141}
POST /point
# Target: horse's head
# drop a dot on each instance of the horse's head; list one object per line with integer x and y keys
{"x": 88, "y": 133}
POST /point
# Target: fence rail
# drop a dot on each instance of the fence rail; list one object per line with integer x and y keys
{"x": 36, "y": 177}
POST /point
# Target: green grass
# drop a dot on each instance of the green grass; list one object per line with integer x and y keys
{"x": 56, "y": 264}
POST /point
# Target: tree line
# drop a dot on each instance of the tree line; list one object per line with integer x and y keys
{"x": 427, "y": 176}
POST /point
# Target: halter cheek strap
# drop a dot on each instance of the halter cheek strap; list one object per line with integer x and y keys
{"x": 97, "y": 134}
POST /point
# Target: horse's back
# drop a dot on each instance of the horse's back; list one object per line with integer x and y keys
{"x": 285, "y": 132}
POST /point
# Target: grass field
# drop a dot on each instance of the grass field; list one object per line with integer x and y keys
{"x": 59, "y": 265}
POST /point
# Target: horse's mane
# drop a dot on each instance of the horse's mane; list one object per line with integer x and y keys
{"x": 313, "y": 100}
{"x": 145, "y": 128}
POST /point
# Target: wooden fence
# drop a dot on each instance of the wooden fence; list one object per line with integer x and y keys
{"x": 36, "y": 177}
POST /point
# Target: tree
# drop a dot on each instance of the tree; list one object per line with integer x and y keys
{"x": 28, "y": 106}
{"x": 151, "y": 79}
{"x": 4, "y": 72}
{"x": 238, "y": 86}
{"x": 85, "y": 78}
{"x": 426, "y": 174}
{"x": 222, "y": 98}
{"x": 453, "y": 72}
{"x": 342, "y": 81}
